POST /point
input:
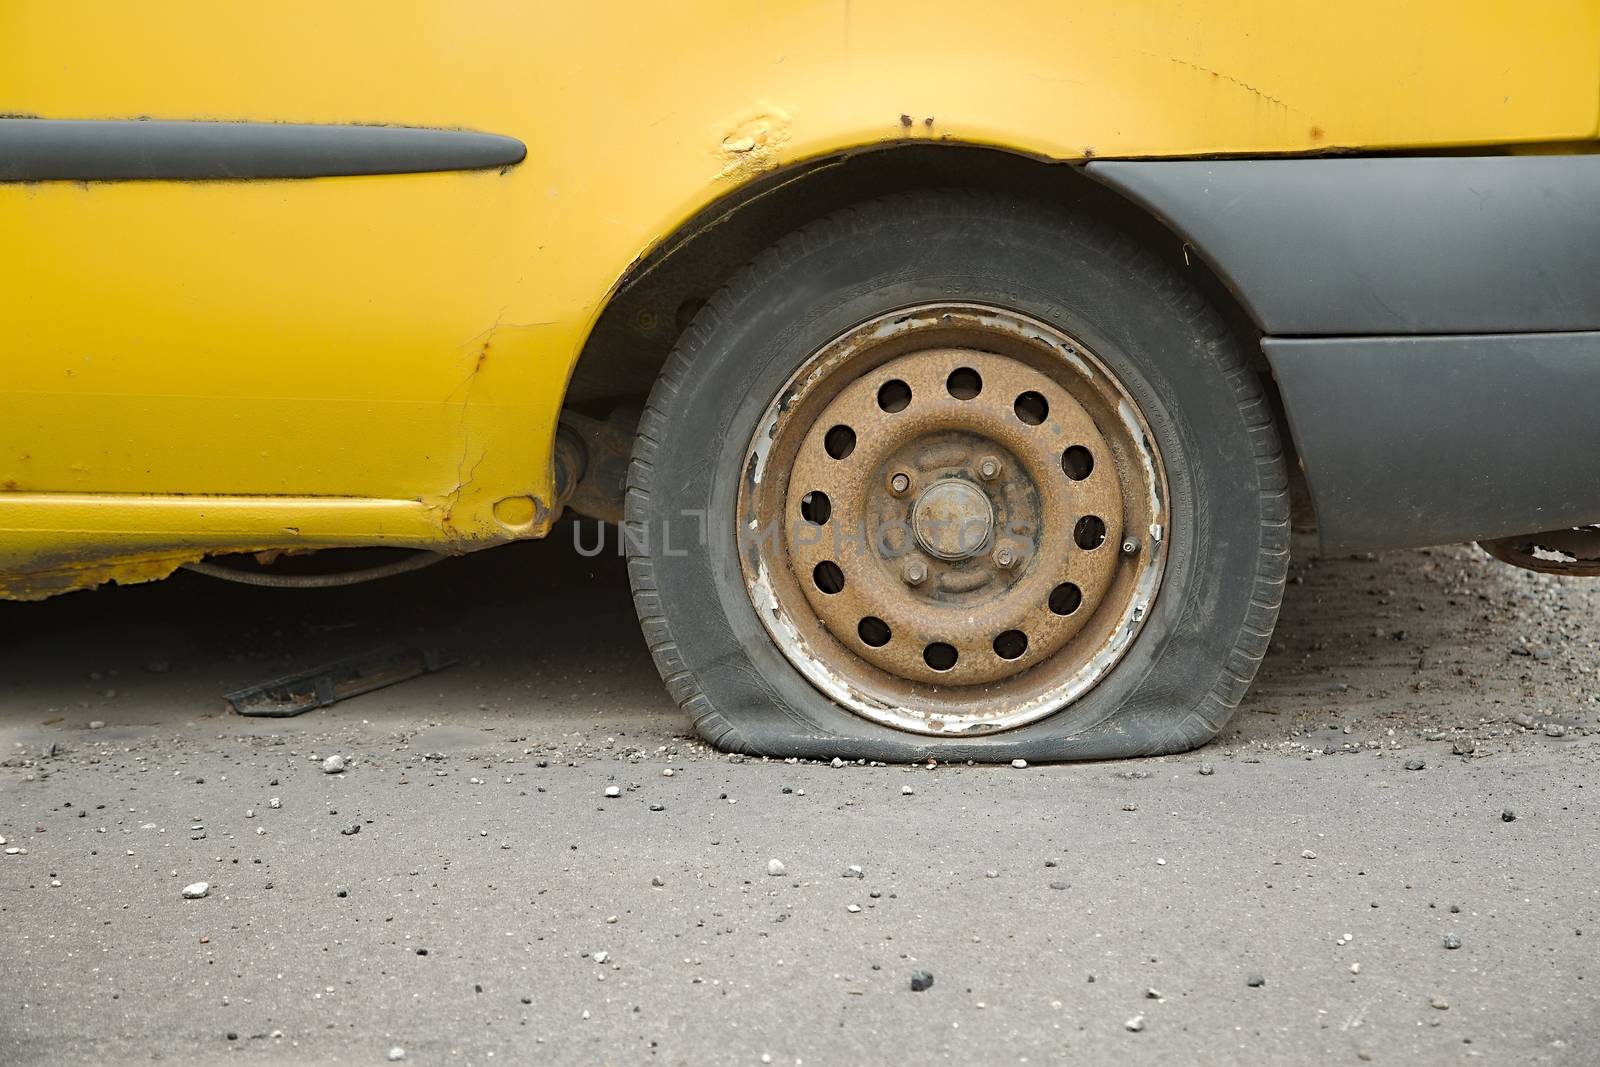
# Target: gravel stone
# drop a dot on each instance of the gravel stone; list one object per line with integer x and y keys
{"x": 196, "y": 890}
{"x": 921, "y": 981}
{"x": 776, "y": 868}
{"x": 333, "y": 765}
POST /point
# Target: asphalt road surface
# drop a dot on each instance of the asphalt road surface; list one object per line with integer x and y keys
{"x": 467, "y": 892}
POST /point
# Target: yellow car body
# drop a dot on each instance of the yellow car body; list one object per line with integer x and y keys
{"x": 190, "y": 367}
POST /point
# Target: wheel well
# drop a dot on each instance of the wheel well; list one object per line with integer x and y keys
{"x": 661, "y": 292}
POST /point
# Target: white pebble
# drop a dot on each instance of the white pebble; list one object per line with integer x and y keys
{"x": 97, "y": 724}
{"x": 613, "y": 791}
{"x": 1019, "y": 764}
{"x": 196, "y": 890}
{"x": 776, "y": 868}
{"x": 274, "y": 803}
{"x": 397, "y": 1053}
{"x": 853, "y": 908}
{"x": 1308, "y": 855}
{"x": 906, "y": 790}
{"x": 333, "y": 765}
{"x": 1135, "y": 1024}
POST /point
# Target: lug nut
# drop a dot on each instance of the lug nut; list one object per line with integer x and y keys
{"x": 915, "y": 572}
{"x": 1005, "y": 557}
{"x": 899, "y": 483}
{"x": 988, "y": 468}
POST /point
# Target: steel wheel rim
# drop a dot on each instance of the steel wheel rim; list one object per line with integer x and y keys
{"x": 959, "y": 476}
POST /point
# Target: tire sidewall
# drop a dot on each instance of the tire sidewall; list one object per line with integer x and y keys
{"x": 740, "y": 351}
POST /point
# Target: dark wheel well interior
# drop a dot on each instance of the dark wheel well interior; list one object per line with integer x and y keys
{"x": 656, "y": 298}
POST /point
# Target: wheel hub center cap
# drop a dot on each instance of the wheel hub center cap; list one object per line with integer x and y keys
{"x": 953, "y": 519}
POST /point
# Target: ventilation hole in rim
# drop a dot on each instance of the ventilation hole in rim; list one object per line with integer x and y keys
{"x": 1077, "y": 463}
{"x": 840, "y": 441}
{"x": 828, "y": 576}
{"x": 939, "y": 656}
{"x": 815, "y": 507}
{"x": 1011, "y": 644}
{"x": 1031, "y": 407}
{"x": 873, "y": 631}
{"x": 964, "y": 383}
{"x": 1090, "y": 532}
{"x": 1065, "y": 598}
{"x": 894, "y": 395}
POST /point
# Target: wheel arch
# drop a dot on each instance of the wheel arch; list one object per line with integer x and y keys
{"x": 652, "y": 301}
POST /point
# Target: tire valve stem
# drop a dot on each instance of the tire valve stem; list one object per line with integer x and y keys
{"x": 1130, "y": 547}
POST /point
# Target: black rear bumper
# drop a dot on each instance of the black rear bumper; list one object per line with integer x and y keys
{"x": 1433, "y": 324}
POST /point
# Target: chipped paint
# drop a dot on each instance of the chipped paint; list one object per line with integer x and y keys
{"x": 57, "y": 542}
{"x": 753, "y": 145}
{"x": 1229, "y": 79}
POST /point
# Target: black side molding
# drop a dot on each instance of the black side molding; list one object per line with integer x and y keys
{"x": 37, "y": 150}
{"x": 1393, "y": 245}
{"x": 1411, "y": 441}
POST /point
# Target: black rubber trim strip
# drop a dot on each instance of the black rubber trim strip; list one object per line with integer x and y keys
{"x": 36, "y": 150}
{"x": 1394, "y": 245}
{"x": 1428, "y": 440}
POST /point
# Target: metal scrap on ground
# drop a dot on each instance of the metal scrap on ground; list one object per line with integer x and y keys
{"x": 333, "y": 682}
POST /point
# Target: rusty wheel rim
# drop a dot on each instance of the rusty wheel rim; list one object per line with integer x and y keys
{"x": 953, "y": 520}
